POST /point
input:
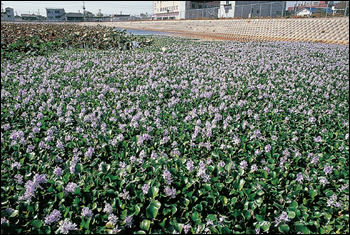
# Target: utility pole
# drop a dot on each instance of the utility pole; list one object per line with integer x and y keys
{"x": 346, "y": 8}
{"x": 84, "y": 10}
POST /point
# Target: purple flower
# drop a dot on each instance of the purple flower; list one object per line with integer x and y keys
{"x": 108, "y": 208}
{"x": 243, "y": 164}
{"x": 128, "y": 221}
{"x": 16, "y": 164}
{"x": 145, "y": 188}
{"x": 89, "y": 152}
{"x": 71, "y": 187}
{"x": 328, "y": 169}
{"x": 112, "y": 219}
{"x": 267, "y": 148}
{"x": 86, "y": 212}
{"x": 253, "y": 168}
{"x": 4, "y": 221}
{"x": 58, "y": 171}
{"x": 318, "y": 139}
{"x": 54, "y": 216}
{"x": 170, "y": 192}
{"x": 167, "y": 176}
{"x": 300, "y": 178}
{"x": 19, "y": 179}
{"x": 125, "y": 194}
{"x": 187, "y": 228}
{"x": 66, "y": 226}
{"x": 282, "y": 218}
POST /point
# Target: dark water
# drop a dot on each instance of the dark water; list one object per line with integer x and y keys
{"x": 143, "y": 32}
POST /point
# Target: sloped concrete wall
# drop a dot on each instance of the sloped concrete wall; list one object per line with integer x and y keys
{"x": 327, "y": 30}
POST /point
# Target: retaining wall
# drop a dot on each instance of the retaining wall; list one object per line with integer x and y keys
{"x": 327, "y": 30}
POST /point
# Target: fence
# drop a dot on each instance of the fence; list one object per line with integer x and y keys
{"x": 257, "y": 10}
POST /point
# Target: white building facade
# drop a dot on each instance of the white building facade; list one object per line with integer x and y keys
{"x": 8, "y": 14}
{"x": 164, "y": 10}
{"x": 248, "y": 9}
{"x": 56, "y": 14}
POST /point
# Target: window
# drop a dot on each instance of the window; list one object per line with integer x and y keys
{"x": 48, "y": 12}
{"x": 193, "y": 6}
{"x": 226, "y": 10}
{"x": 57, "y": 17}
{"x": 257, "y": 11}
{"x": 227, "y": 2}
{"x": 57, "y": 11}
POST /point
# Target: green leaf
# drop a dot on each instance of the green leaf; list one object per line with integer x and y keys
{"x": 153, "y": 192}
{"x": 145, "y": 224}
{"x": 78, "y": 168}
{"x": 37, "y": 223}
{"x": 283, "y": 228}
{"x": 313, "y": 193}
{"x": 291, "y": 214}
{"x": 140, "y": 232}
{"x": 152, "y": 209}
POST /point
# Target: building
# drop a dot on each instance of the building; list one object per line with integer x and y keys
{"x": 298, "y": 6}
{"x": 74, "y": 17}
{"x": 8, "y": 14}
{"x": 164, "y": 10}
{"x": 167, "y": 10}
{"x": 120, "y": 17}
{"x": 55, "y": 14}
{"x": 32, "y": 17}
{"x": 248, "y": 9}
{"x": 308, "y": 12}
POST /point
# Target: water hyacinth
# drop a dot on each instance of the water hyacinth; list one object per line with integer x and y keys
{"x": 53, "y": 217}
{"x": 198, "y": 134}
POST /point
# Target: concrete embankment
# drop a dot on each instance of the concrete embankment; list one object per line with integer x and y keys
{"x": 326, "y": 30}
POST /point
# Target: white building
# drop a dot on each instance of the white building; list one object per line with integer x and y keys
{"x": 163, "y": 10}
{"x": 55, "y": 14}
{"x": 8, "y": 14}
{"x": 248, "y": 9}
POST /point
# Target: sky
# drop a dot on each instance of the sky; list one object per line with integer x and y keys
{"x": 107, "y": 7}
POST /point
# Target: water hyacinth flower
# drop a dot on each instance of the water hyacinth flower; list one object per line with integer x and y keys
{"x": 189, "y": 165}
{"x": 112, "y": 219}
{"x": 4, "y": 221}
{"x": 318, "y": 139}
{"x": 243, "y": 165}
{"x": 300, "y": 178}
{"x": 145, "y": 188}
{"x": 125, "y": 195}
{"x": 58, "y": 171}
{"x": 66, "y": 226}
{"x": 283, "y": 218}
{"x": 53, "y": 217}
{"x": 71, "y": 187}
{"x": 170, "y": 192}
{"x": 328, "y": 170}
{"x": 19, "y": 179}
{"x": 108, "y": 208}
{"x": 187, "y": 228}
{"x": 128, "y": 221}
{"x": 167, "y": 176}
{"x": 86, "y": 212}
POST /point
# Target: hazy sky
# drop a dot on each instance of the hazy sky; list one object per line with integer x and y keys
{"x": 107, "y": 7}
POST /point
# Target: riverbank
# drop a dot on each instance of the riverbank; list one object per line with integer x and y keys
{"x": 325, "y": 30}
